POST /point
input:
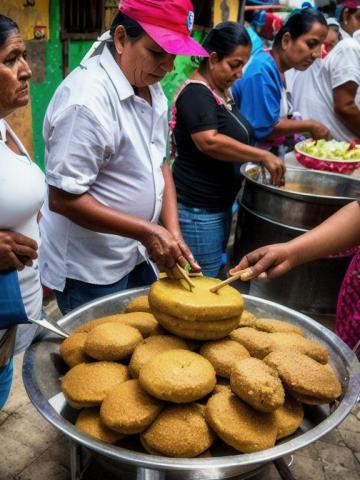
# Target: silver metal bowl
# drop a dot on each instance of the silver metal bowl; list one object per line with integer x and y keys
{"x": 43, "y": 369}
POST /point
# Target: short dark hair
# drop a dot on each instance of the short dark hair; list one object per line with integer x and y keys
{"x": 299, "y": 23}
{"x": 132, "y": 28}
{"x": 224, "y": 38}
{"x": 7, "y": 27}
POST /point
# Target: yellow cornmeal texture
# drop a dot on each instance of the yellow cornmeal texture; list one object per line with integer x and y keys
{"x": 239, "y": 425}
{"x": 179, "y": 431}
{"x": 91, "y": 324}
{"x": 112, "y": 341}
{"x": 272, "y": 325}
{"x": 304, "y": 375}
{"x": 174, "y": 298}
{"x": 89, "y": 422}
{"x": 288, "y": 417}
{"x": 129, "y": 409}
{"x": 87, "y": 384}
{"x": 143, "y": 321}
{"x": 257, "y": 343}
{"x": 72, "y": 350}
{"x": 178, "y": 376}
{"x": 148, "y": 348}
{"x": 257, "y": 384}
{"x": 247, "y": 319}
{"x": 222, "y": 354}
{"x": 311, "y": 348}
{"x": 195, "y": 329}
{"x": 307, "y": 399}
{"x": 138, "y": 304}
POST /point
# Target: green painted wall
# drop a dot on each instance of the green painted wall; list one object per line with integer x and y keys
{"x": 41, "y": 93}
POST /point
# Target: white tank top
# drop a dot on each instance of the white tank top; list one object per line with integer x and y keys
{"x": 22, "y": 192}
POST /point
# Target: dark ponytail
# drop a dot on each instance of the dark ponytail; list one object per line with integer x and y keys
{"x": 7, "y": 27}
{"x": 298, "y": 23}
{"x": 224, "y": 38}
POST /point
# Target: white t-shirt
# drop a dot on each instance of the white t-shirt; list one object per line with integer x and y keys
{"x": 312, "y": 90}
{"x": 22, "y": 194}
{"x": 102, "y": 139}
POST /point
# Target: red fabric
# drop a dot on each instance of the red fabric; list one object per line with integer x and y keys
{"x": 347, "y": 325}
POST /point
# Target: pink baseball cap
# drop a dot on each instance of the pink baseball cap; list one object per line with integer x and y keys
{"x": 168, "y": 22}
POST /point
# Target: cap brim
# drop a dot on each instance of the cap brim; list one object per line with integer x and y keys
{"x": 173, "y": 42}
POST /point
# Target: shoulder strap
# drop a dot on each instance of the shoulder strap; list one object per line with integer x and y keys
{"x": 172, "y": 123}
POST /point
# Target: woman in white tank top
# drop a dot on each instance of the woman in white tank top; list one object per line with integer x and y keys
{"x": 22, "y": 191}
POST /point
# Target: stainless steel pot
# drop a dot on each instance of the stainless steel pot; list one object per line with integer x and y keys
{"x": 268, "y": 214}
{"x": 327, "y": 192}
{"x": 43, "y": 369}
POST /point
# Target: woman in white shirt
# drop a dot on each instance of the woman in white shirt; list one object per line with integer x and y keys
{"x": 21, "y": 195}
{"x": 328, "y": 92}
{"x": 105, "y": 134}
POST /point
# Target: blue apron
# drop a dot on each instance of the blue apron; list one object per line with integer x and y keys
{"x": 12, "y": 310}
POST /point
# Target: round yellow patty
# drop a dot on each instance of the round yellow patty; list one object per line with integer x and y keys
{"x": 129, "y": 409}
{"x": 304, "y": 375}
{"x": 148, "y": 348}
{"x": 178, "y": 376}
{"x": 222, "y": 354}
{"x": 311, "y": 348}
{"x": 307, "y": 399}
{"x": 112, "y": 341}
{"x": 91, "y": 324}
{"x": 288, "y": 417}
{"x": 142, "y": 321}
{"x": 72, "y": 350}
{"x": 272, "y": 325}
{"x": 257, "y": 384}
{"x": 87, "y": 384}
{"x": 89, "y": 422}
{"x": 171, "y": 297}
{"x": 138, "y": 304}
{"x": 239, "y": 425}
{"x": 257, "y": 343}
{"x": 197, "y": 330}
{"x": 247, "y": 319}
{"x": 179, "y": 431}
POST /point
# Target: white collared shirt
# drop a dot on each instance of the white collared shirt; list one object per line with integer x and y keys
{"x": 312, "y": 89}
{"x": 102, "y": 139}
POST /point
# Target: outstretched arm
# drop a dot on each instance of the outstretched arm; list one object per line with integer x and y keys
{"x": 339, "y": 232}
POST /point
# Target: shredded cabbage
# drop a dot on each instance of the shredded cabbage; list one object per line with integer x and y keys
{"x": 331, "y": 150}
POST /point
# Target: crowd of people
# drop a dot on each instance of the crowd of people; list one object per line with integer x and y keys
{"x": 113, "y": 212}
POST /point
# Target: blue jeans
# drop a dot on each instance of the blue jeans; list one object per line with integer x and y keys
{"x": 6, "y": 375}
{"x": 206, "y": 234}
{"x": 76, "y": 293}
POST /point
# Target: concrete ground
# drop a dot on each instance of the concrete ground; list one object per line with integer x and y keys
{"x": 31, "y": 449}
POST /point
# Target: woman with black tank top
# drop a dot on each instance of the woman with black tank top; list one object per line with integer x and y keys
{"x": 212, "y": 138}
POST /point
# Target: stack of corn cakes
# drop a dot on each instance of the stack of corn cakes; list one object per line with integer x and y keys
{"x": 180, "y": 370}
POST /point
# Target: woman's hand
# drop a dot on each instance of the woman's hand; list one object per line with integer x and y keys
{"x": 166, "y": 249}
{"x": 319, "y": 131}
{"x": 276, "y": 168}
{"x": 268, "y": 262}
{"x": 16, "y": 250}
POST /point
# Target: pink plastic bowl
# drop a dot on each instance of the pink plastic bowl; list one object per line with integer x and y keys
{"x": 315, "y": 163}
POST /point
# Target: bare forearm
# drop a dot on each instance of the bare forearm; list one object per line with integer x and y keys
{"x": 169, "y": 213}
{"x": 288, "y": 127}
{"x": 339, "y": 232}
{"x": 86, "y": 211}
{"x": 222, "y": 147}
{"x": 350, "y": 117}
